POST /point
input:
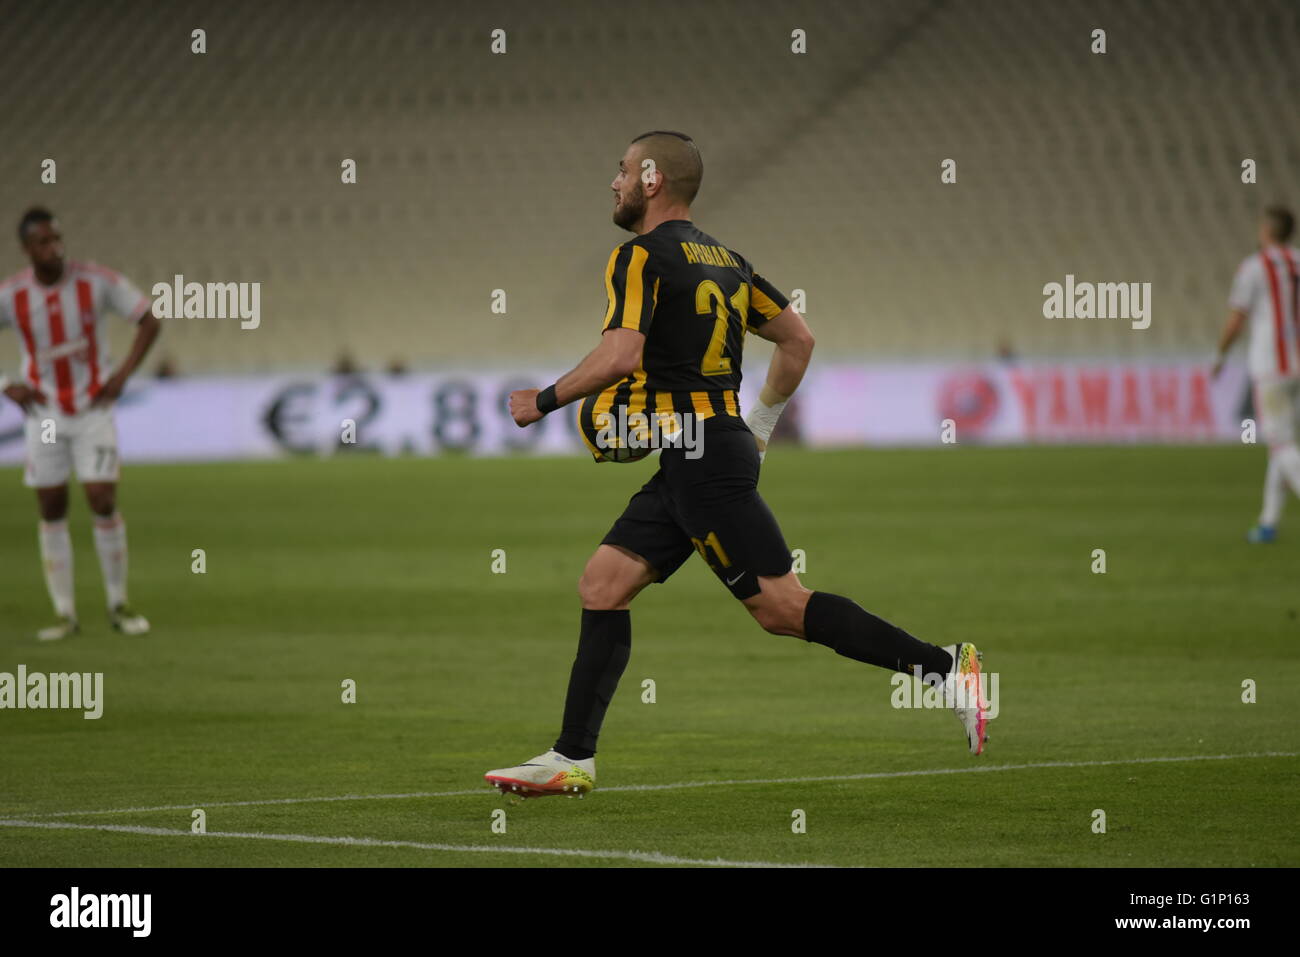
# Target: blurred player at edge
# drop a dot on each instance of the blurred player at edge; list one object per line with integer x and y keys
{"x": 680, "y": 304}
{"x": 67, "y": 395}
{"x": 1266, "y": 294}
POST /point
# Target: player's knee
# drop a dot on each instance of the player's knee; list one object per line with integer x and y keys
{"x": 102, "y": 501}
{"x": 773, "y": 616}
{"x": 601, "y": 588}
{"x": 602, "y": 592}
{"x": 612, "y": 578}
{"x": 52, "y": 502}
{"x": 586, "y": 587}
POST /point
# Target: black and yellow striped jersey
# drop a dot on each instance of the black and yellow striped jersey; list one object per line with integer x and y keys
{"x": 693, "y": 299}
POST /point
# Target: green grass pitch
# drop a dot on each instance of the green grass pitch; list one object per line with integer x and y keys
{"x": 381, "y": 571}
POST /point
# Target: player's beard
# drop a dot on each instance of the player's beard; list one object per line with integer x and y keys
{"x": 632, "y": 209}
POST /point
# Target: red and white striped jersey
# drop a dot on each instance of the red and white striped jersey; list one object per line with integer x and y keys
{"x": 1267, "y": 289}
{"x": 64, "y": 353}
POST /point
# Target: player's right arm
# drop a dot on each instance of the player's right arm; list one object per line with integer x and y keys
{"x": 19, "y": 392}
{"x": 1245, "y": 286}
{"x": 617, "y": 356}
{"x": 794, "y": 345}
{"x": 632, "y": 286}
{"x": 1231, "y": 330}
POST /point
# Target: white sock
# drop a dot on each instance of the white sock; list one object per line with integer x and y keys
{"x": 1288, "y": 463}
{"x": 1274, "y": 493}
{"x": 110, "y": 542}
{"x": 56, "y": 559}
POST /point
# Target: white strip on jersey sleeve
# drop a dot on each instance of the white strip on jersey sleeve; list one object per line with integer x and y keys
{"x": 124, "y": 299}
{"x": 1244, "y": 286}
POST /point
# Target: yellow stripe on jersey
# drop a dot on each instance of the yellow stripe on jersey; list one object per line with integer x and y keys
{"x": 609, "y": 287}
{"x": 636, "y": 397}
{"x": 598, "y": 418}
{"x": 632, "y": 288}
{"x": 626, "y": 288}
{"x": 703, "y": 406}
{"x": 604, "y": 404}
{"x": 764, "y": 304}
{"x": 729, "y": 400}
{"x": 669, "y": 424}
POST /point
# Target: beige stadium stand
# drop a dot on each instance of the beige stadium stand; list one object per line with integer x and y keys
{"x": 479, "y": 172}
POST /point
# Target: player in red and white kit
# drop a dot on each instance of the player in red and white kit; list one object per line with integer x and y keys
{"x": 66, "y": 391}
{"x": 1266, "y": 295}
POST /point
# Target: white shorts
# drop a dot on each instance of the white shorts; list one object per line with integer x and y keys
{"x": 1277, "y": 405}
{"x": 57, "y": 443}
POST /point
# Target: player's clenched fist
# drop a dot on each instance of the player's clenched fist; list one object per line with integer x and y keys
{"x": 523, "y": 407}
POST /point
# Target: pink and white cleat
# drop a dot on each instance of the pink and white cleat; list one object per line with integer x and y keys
{"x": 546, "y": 774}
{"x": 964, "y": 693}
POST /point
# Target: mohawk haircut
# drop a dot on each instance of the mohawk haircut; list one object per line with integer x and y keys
{"x": 678, "y": 158}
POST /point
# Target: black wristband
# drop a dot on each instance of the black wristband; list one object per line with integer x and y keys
{"x": 546, "y": 401}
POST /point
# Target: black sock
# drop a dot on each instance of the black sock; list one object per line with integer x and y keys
{"x": 850, "y": 630}
{"x": 603, "y": 650}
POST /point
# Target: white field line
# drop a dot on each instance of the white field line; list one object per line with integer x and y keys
{"x": 870, "y": 776}
{"x": 641, "y": 857}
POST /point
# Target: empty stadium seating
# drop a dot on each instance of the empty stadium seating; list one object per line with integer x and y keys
{"x": 479, "y": 172}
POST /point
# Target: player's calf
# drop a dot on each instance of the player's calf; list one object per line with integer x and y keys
{"x": 850, "y": 630}
{"x": 780, "y": 604}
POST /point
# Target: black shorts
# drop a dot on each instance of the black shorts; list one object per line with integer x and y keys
{"x": 709, "y": 505}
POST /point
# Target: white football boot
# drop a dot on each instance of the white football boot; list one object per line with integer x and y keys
{"x": 127, "y": 621}
{"x": 65, "y": 628}
{"x": 549, "y": 773}
{"x": 963, "y": 692}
